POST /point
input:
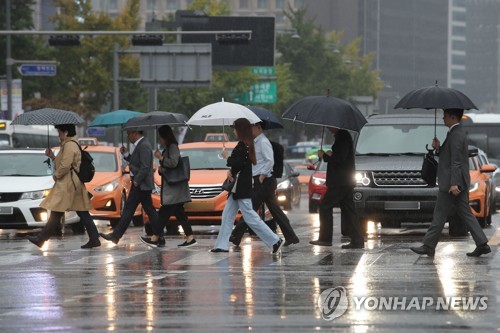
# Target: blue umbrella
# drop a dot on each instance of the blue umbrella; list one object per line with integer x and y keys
{"x": 268, "y": 118}
{"x": 114, "y": 118}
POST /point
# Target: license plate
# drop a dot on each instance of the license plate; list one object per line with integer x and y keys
{"x": 200, "y": 206}
{"x": 402, "y": 205}
{"x": 6, "y": 211}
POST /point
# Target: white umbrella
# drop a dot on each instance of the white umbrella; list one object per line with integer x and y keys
{"x": 222, "y": 114}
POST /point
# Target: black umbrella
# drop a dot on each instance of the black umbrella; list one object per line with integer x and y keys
{"x": 156, "y": 119}
{"x": 326, "y": 111}
{"x": 435, "y": 97}
{"x": 268, "y": 118}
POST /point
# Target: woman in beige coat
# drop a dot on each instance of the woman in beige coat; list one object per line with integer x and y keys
{"x": 68, "y": 192}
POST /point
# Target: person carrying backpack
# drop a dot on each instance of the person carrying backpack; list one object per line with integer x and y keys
{"x": 68, "y": 192}
{"x": 264, "y": 187}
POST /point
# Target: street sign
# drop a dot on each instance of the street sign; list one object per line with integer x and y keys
{"x": 263, "y": 92}
{"x": 96, "y": 131}
{"x": 38, "y": 70}
{"x": 264, "y": 71}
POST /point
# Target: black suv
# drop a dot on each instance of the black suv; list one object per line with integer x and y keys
{"x": 389, "y": 155}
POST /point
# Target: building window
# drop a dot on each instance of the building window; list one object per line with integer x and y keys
{"x": 458, "y": 16}
{"x": 172, "y": 4}
{"x": 457, "y": 59}
{"x": 280, "y": 3}
{"x": 151, "y": 5}
{"x": 299, "y": 3}
{"x": 458, "y": 45}
{"x": 458, "y": 30}
{"x": 458, "y": 74}
{"x": 243, "y": 4}
{"x": 262, "y": 4}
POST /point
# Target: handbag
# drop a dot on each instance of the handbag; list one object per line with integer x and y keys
{"x": 227, "y": 185}
{"x": 429, "y": 168}
{"x": 181, "y": 173}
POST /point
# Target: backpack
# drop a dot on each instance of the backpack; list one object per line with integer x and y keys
{"x": 87, "y": 169}
{"x": 279, "y": 155}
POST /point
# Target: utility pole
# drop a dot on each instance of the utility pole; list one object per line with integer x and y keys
{"x": 9, "y": 61}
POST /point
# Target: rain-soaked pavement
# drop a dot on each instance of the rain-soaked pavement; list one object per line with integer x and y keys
{"x": 130, "y": 287}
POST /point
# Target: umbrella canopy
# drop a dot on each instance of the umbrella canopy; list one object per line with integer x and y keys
{"x": 326, "y": 111}
{"x": 114, "y": 118}
{"x": 267, "y": 117}
{"x": 47, "y": 116}
{"x": 156, "y": 119}
{"x": 222, "y": 114}
{"x": 435, "y": 97}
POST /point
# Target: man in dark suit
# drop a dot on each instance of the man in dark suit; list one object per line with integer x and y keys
{"x": 141, "y": 174}
{"x": 339, "y": 191}
{"x": 454, "y": 183}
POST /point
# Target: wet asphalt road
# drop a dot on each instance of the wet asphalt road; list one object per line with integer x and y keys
{"x": 130, "y": 287}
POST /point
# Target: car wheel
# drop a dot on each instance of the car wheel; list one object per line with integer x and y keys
{"x": 456, "y": 227}
{"x": 313, "y": 206}
{"x": 297, "y": 202}
{"x": 138, "y": 221}
{"x": 114, "y": 222}
{"x": 482, "y": 220}
{"x": 78, "y": 228}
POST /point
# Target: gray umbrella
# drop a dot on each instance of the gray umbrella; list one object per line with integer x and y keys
{"x": 156, "y": 119}
{"x": 47, "y": 116}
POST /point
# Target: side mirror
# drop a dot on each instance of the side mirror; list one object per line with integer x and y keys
{"x": 488, "y": 168}
{"x": 311, "y": 166}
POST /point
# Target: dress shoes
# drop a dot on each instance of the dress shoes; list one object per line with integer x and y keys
{"x": 217, "y": 250}
{"x": 35, "y": 240}
{"x": 289, "y": 242}
{"x": 91, "y": 243}
{"x": 480, "y": 250}
{"x": 424, "y": 249}
{"x": 353, "y": 245}
{"x": 320, "y": 243}
{"x": 110, "y": 237}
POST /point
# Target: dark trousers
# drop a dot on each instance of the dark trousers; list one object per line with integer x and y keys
{"x": 164, "y": 214}
{"x": 265, "y": 192}
{"x": 54, "y": 223}
{"x": 135, "y": 197}
{"x": 339, "y": 196}
{"x": 446, "y": 204}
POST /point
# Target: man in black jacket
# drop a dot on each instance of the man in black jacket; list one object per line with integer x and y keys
{"x": 340, "y": 186}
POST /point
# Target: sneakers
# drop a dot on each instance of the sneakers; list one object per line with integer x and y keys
{"x": 277, "y": 247}
{"x": 188, "y": 244}
{"x": 217, "y": 250}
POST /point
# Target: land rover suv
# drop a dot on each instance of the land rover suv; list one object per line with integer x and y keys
{"x": 389, "y": 154}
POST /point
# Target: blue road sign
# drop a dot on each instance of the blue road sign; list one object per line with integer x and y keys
{"x": 38, "y": 70}
{"x": 96, "y": 131}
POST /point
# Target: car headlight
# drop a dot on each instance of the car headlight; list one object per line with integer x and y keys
{"x": 35, "y": 195}
{"x": 156, "y": 190}
{"x": 284, "y": 185}
{"x": 474, "y": 186}
{"x": 362, "y": 178}
{"x": 108, "y": 187}
{"x": 318, "y": 181}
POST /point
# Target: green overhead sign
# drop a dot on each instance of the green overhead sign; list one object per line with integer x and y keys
{"x": 262, "y": 92}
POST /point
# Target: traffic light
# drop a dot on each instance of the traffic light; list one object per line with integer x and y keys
{"x": 147, "y": 40}
{"x": 64, "y": 40}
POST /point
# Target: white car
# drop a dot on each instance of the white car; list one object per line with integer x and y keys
{"x": 25, "y": 179}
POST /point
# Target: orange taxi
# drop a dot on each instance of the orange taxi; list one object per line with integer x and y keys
{"x": 110, "y": 186}
{"x": 208, "y": 172}
{"x": 481, "y": 188}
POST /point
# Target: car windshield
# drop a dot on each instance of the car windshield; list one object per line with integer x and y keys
{"x": 205, "y": 158}
{"x": 104, "y": 162}
{"x": 397, "y": 139}
{"x": 24, "y": 165}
